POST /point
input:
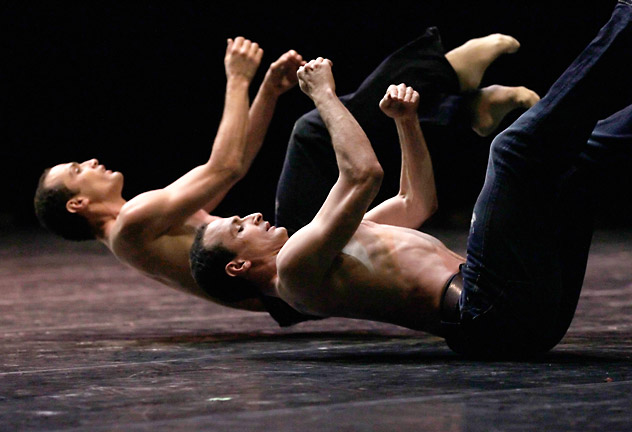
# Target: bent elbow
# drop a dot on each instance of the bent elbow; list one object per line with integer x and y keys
{"x": 366, "y": 178}
{"x": 418, "y": 213}
{"x": 371, "y": 175}
{"x": 231, "y": 172}
{"x": 239, "y": 172}
{"x": 377, "y": 173}
{"x": 371, "y": 178}
{"x": 433, "y": 207}
{"x": 428, "y": 211}
{"x": 236, "y": 170}
{"x": 365, "y": 175}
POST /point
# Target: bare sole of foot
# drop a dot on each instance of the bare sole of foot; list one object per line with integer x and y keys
{"x": 491, "y": 104}
{"x": 471, "y": 60}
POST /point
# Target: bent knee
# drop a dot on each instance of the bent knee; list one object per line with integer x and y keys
{"x": 509, "y": 147}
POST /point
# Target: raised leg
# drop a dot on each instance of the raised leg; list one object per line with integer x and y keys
{"x": 608, "y": 151}
{"x": 516, "y": 289}
{"x": 471, "y": 60}
{"x": 490, "y": 105}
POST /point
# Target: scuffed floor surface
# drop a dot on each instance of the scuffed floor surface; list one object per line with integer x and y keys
{"x": 87, "y": 344}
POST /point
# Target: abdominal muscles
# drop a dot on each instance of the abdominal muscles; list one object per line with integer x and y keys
{"x": 390, "y": 274}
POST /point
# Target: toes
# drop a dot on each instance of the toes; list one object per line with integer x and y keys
{"x": 511, "y": 43}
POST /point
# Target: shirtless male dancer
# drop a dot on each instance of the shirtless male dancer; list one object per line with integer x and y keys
{"x": 452, "y": 102}
{"x": 516, "y": 291}
{"x": 153, "y": 231}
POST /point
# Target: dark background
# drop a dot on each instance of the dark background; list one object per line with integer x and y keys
{"x": 140, "y": 85}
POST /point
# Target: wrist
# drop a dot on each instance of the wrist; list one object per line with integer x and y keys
{"x": 324, "y": 96}
{"x": 269, "y": 90}
{"x": 407, "y": 119}
{"x": 237, "y": 81}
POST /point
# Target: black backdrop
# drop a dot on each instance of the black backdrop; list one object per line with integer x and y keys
{"x": 140, "y": 85}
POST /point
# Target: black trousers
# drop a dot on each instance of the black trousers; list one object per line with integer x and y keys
{"x": 310, "y": 170}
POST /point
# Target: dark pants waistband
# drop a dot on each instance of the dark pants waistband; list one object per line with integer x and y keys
{"x": 449, "y": 309}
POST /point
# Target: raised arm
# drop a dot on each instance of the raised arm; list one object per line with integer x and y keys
{"x": 279, "y": 78}
{"x": 153, "y": 213}
{"x": 310, "y": 253}
{"x": 417, "y": 197}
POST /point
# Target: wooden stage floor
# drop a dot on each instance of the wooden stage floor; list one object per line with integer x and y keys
{"x": 89, "y": 345}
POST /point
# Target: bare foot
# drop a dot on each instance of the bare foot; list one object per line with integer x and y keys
{"x": 491, "y": 104}
{"x": 471, "y": 60}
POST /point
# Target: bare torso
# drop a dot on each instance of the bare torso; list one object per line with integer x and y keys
{"x": 389, "y": 274}
{"x": 164, "y": 258}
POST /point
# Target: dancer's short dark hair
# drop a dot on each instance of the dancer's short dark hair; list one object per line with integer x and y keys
{"x": 50, "y": 209}
{"x": 208, "y": 267}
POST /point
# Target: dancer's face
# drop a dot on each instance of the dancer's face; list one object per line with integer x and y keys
{"x": 250, "y": 237}
{"x": 87, "y": 178}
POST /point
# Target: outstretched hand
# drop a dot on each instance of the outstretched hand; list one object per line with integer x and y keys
{"x": 400, "y": 101}
{"x": 242, "y": 58}
{"x": 316, "y": 77}
{"x": 281, "y": 75}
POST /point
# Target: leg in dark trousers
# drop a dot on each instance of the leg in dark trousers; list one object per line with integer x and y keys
{"x": 531, "y": 228}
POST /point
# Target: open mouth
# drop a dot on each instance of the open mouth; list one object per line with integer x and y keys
{"x": 105, "y": 170}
